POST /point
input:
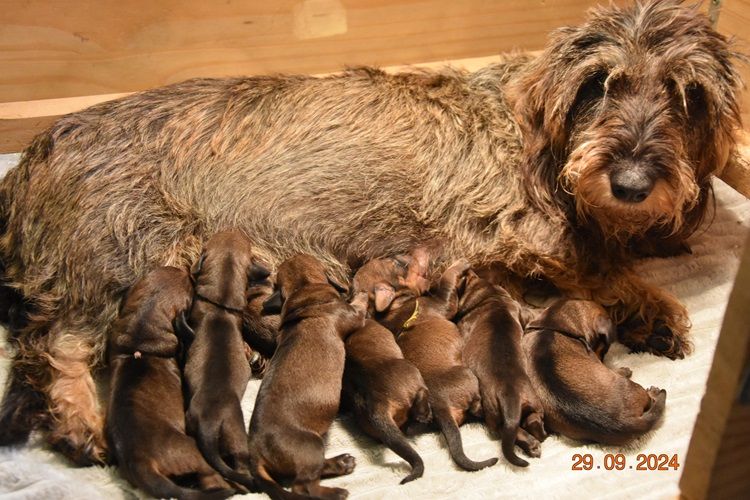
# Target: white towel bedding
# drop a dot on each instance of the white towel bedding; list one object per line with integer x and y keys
{"x": 702, "y": 280}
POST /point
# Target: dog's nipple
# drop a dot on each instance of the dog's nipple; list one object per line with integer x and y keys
{"x": 137, "y": 354}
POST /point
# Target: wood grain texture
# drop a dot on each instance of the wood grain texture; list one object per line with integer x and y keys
{"x": 69, "y": 48}
{"x": 717, "y": 464}
{"x": 734, "y": 20}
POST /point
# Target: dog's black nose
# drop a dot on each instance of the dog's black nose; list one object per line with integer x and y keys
{"x": 631, "y": 185}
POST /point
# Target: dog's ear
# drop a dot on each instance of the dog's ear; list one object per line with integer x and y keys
{"x": 604, "y": 335}
{"x": 384, "y": 296}
{"x": 197, "y": 267}
{"x": 272, "y": 305}
{"x": 258, "y": 271}
{"x": 183, "y": 329}
{"x": 342, "y": 289}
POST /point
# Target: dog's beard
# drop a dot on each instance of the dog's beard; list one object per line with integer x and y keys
{"x": 586, "y": 177}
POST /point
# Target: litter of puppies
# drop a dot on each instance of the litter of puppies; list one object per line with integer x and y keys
{"x": 401, "y": 352}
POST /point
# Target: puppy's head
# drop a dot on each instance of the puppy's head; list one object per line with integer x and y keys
{"x": 630, "y": 114}
{"x": 293, "y": 274}
{"x": 226, "y": 268}
{"x": 580, "y": 318}
{"x": 151, "y": 310}
{"x": 386, "y": 279}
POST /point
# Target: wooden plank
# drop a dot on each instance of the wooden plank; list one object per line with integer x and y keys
{"x": 717, "y": 464}
{"x": 70, "y": 48}
{"x": 734, "y": 20}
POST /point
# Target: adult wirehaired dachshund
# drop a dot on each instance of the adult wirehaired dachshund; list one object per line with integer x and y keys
{"x": 568, "y": 166}
{"x": 146, "y": 415}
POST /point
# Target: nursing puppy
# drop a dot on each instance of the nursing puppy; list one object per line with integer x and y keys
{"x": 430, "y": 341}
{"x": 489, "y": 321}
{"x": 582, "y": 398}
{"x": 145, "y": 416}
{"x": 216, "y": 368}
{"x": 299, "y": 396}
{"x": 382, "y": 389}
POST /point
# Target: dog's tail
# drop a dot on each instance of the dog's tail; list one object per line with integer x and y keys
{"x": 161, "y": 486}
{"x": 210, "y": 447}
{"x": 271, "y": 488}
{"x": 510, "y": 409}
{"x": 390, "y": 435}
{"x": 452, "y": 434}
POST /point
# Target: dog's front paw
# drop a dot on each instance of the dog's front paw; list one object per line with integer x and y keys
{"x": 659, "y": 339}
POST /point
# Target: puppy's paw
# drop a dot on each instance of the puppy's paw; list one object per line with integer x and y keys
{"x": 340, "y": 465}
{"x": 460, "y": 267}
{"x": 625, "y": 372}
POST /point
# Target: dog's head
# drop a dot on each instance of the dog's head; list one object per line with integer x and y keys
{"x": 387, "y": 278}
{"x": 630, "y": 113}
{"x": 226, "y": 268}
{"x": 583, "y": 319}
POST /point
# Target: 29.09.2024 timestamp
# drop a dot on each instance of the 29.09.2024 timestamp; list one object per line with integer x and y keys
{"x": 618, "y": 461}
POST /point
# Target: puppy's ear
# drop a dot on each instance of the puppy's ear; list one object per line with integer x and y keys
{"x": 384, "y": 295}
{"x": 604, "y": 333}
{"x": 342, "y": 289}
{"x": 272, "y": 305}
{"x": 182, "y": 328}
{"x": 258, "y": 271}
{"x": 197, "y": 267}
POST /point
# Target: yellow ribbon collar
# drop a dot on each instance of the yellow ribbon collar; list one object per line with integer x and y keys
{"x": 412, "y": 319}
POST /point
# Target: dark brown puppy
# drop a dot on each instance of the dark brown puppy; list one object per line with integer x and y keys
{"x": 489, "y": 320}
{"x": 421, "y": 324}
{"x": 300, "y": 393}
{"x": 145, "y": 416}
{"x": 216, "y": 368}
{"x": 582, "y": 398}
{"x": 383, "y": 389}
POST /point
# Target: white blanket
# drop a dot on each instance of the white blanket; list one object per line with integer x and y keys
{"x": 702, "y": 280}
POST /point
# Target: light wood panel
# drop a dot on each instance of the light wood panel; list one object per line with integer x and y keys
{"x": 734, "y": 20}
{"x": 718, "y": 459}
{"x": 68, "y": 48}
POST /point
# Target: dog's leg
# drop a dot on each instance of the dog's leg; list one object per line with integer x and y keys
{"x": 77, "y": 423}
{"x": 649, "y": 319}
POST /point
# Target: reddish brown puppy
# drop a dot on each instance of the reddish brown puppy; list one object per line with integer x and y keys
{"x": 260, "y": 327}
{"x": 383, "y": 389}
{"x": 216, "y": 368}
{"x": 300, "y": 393}
{"x": 489, "y": 320}
{"x": 145, "y": 416}
{"x": 582, "y": 398}
{"x": 421, "y": 324}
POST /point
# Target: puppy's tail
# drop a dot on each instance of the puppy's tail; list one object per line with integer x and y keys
{"x": 449, "y": 428}
{"x": 388, "y": 432}
{"x": 210, "y": 448}
{"x": 511, "y": 411}
{"x": 160, "y": 486}
{"x": 272, "y": 488}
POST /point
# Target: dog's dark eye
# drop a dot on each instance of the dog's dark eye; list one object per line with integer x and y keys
{"x": 588, "y": 96}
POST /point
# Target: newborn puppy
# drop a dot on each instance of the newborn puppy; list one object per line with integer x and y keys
{"x": 216, "y": 368}
{"x": 430, "y": 341}
{"x": 489, "y": 320}
{"x": 382, "y": 389}
{"x": 145, "y": 413}
{"x": 582, "y": 398}
{"x": 299, "y": 396}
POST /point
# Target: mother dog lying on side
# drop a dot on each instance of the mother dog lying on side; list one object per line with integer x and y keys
{"x": 565, "y": 167}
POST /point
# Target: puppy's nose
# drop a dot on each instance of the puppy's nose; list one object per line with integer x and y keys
{"x": 631, "y": 185}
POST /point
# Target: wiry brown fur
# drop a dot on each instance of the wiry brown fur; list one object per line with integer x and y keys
{"x": 487, "y": 165}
